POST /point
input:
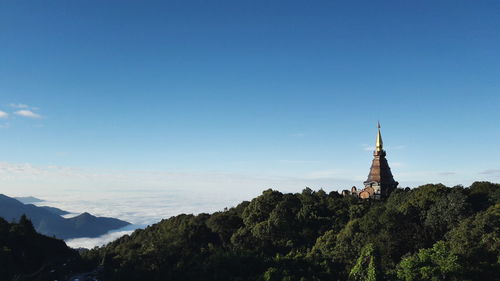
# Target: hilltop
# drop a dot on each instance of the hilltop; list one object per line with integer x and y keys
{"x": 432, "y": 232}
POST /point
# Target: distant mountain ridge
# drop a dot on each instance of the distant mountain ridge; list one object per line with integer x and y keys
{"x": 48, "y": 220}
{"x": 28, "y": 199}
{"x": 31, "y": 200}
{"x": 54, "y": 210}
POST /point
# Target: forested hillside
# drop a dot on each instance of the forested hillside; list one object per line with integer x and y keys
{"x": 432, "y": 232}
{"x": 27, "y": 255}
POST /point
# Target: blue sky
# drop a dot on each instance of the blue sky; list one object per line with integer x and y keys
{"x": 256, "y": 94}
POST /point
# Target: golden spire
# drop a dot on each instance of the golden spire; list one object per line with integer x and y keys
{"x": 379, "y": 145}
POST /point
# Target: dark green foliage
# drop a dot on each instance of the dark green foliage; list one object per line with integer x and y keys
{"x": 484, "y": 194}
{"x": 477, "y": 243}
{"x": 367, "y": 266}
{"x": 27, "y": 255}
{"x": 436, "y": 263}
{"x": 432, "y": 232}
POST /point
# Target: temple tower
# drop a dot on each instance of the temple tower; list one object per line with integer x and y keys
{"x": 380, "y": 182}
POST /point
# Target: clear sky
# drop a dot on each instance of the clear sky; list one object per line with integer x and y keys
{"x": 251, "y": 94}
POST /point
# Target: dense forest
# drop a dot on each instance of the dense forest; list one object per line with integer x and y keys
{"x": 28, "y": 255}
{"x": 432, "y": 232}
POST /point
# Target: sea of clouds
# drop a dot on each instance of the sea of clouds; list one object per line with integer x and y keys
{"x": 146, "y": 197}
{"x": 139, "y": 207}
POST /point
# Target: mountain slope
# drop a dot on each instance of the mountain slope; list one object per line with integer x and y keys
{"x": 49, "y": 223}
{"x": 87, "y": 225}
{"x": 54, "y": 210}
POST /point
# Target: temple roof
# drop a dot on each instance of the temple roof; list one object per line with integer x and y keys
{"x": 380, "y": 171}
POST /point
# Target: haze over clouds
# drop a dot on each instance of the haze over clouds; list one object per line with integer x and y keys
{"x": 141, "y": 197}
{"x": 144, "y": 197}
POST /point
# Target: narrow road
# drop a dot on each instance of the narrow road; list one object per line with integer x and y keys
{"x": 87, "y": 276}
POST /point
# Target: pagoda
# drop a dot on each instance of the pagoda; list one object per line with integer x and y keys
{"x": 380, "y": 182}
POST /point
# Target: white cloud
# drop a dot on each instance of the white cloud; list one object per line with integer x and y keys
{"x": 90, "y": 243}
{"x": 28, "y": 113}
{"x": 19, "y": 105}
{"x": 3, "y": 114}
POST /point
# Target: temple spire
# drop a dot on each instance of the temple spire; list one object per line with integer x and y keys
{"x": 379, "y": 145}
{"x": 380, "y": 182}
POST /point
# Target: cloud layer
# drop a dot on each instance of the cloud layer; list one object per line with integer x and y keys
{"x": 90, "y": 243}
{"x": 145, "y": 197}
